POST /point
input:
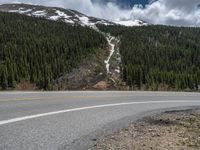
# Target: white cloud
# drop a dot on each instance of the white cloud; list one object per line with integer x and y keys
{"x": 170, "y": 12}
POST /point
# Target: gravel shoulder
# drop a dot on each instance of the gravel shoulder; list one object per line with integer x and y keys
{"x": 177, "y": 130}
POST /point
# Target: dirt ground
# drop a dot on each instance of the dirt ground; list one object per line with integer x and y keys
{"x": 174, "y": 130}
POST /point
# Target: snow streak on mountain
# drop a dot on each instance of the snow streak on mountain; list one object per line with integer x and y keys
{"x": 65, "y": 15}
{"x": 167, "y": 12}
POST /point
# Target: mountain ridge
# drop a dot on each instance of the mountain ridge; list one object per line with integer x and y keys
{"x": 66, "y": 15}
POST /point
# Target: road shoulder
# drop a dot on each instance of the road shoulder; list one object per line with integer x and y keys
{"x": 178, "y": 129}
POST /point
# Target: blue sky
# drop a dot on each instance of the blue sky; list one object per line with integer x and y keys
{"x": 133, "y": 2}
{"x": 124, "y": 3}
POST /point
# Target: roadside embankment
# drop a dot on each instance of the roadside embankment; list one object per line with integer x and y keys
{"x": 174, "y": 130}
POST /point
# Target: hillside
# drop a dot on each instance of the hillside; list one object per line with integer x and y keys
{"x": 159, "y": 57}
{"x": 65, "y": 15}
{"x": 39, "y": 51}
{"x": 53, "y": 48}
{"x": 54, "y": 13}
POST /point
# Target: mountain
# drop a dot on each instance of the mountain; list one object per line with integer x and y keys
{"x": 66, "y": 15}
{"x": 156, "y": 57}
{"x": 55, "y": 55}
{"x": 54, "y": 13}
{"x": 36, "y": 53}
{"x": 68, "y": 54}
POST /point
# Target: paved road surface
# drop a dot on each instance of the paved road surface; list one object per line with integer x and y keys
{"x": 72, "y": 120}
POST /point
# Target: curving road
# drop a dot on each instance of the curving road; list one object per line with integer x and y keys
{"x": 72, "y": 120}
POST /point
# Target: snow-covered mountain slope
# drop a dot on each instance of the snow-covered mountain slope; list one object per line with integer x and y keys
{"x": 54, "y": 13}
{"x": 131, "y": 22}
{"x": 65, "y": 15}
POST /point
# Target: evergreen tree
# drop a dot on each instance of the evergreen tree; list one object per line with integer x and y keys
{"x": 39, "y": 51}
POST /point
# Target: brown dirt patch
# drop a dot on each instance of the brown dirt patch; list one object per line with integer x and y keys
{"x": 177, "y": 130}
{"x": 102, "y": 85}
{"x": 25, "y": 86}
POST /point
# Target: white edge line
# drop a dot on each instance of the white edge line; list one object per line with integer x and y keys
{"x": 3, "y": 122}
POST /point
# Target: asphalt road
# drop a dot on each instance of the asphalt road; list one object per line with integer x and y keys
{"x": 72, "y": 120}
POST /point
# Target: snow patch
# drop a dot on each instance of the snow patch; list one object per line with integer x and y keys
{"x": 117, "y": 70}
{"x": 69, "y": 21}
{"x": 59, "y": 15}
{"x": 20, "y": 11}
{"x": 112, "y": 50}
{"x": 103, "y": 23}
{"x": 62, "y": 14}
{"x": 84, "y": 20}
{"x": 13, "y": 11}
{"x": 131, "y": 22}
{"x": 39, "y": 13}
{"x": 55, "y": 18}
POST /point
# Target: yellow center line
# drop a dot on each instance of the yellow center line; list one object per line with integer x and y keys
{"x": 43, "y": 98}
{"x": 67, "y": 97}
{"x": 60, "y": 97}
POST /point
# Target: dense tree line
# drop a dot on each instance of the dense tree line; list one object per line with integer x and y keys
{"x": 39, "y": 51}
{"x": 155, "y": 56}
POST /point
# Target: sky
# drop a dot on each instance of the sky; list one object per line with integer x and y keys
{"x": 167, "y": 12}
{"x": 124, "y": 3}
